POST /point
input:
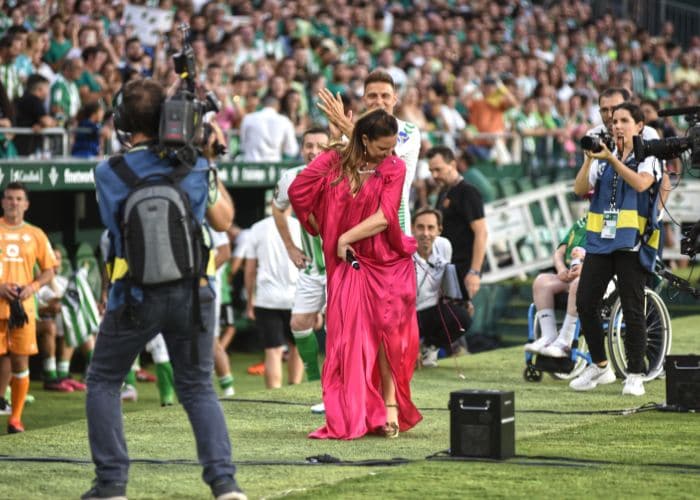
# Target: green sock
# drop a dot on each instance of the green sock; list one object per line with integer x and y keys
{"x": 50, "y": 369}
{"x": 165, "y": 382}
{"x": 131, "y": 378}
{"x": 226, "y": 381}
{"x": 308, "y": 350}
{"x": 63, "y": 369}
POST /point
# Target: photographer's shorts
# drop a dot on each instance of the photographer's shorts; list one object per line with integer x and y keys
{"x": 310, "y": 296}
{"x": 21, "y": 341}
{"x": 273, "y": 325}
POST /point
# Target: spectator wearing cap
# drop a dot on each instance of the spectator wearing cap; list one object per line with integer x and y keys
{"x": 267, "y": 135}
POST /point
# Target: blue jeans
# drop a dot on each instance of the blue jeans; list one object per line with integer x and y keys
{"x": 123, "y": 334}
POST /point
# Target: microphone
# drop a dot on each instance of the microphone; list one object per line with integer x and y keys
{"x": 350, "y": 257}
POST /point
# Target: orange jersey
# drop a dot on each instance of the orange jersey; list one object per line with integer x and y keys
{"x": 21, "y": 247}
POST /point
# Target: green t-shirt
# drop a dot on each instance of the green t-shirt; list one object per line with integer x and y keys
{"x": 576, "y": 237}
{"x": 87, "y": 79}
{"x": 57, "y": 51}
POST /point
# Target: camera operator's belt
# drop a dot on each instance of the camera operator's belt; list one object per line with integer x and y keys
{"x": 119, "y": 268}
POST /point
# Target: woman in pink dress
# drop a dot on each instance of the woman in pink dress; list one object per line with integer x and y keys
{"x": 350, "y": 195}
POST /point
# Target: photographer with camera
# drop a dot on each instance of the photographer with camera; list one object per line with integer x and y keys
{"x": 622, "y": 239}
{"x": 150, "y": 296}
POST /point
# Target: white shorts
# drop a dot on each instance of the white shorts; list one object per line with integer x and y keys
{"x": 310, "y": 296}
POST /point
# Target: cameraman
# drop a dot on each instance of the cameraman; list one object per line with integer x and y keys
{"x": 134, "y": 315}
{"x": 622, "y": 240}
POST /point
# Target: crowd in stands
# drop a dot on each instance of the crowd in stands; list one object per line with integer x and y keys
{"x": 471, "y": 74}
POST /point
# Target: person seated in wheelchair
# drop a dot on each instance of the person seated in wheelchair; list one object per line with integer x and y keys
{"x": 568, "y": 262}
{"x": 443, "y": 317}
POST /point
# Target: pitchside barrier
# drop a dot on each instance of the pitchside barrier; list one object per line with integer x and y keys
{"x": 525, "y": 229}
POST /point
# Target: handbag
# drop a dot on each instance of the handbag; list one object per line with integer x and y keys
{"x": 450, "y": 284}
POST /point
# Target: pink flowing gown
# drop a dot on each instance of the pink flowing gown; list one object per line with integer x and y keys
{"x": 369, "y": 307}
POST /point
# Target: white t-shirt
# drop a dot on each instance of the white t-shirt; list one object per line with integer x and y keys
{"x": 429, "y": 273}
{"x": 276, "y": 276}
{"x": 408, "y": 149}
{"x": 266, "y": 135}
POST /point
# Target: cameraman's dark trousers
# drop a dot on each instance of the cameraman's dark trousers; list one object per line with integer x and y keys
{"x": 123, "y": 334}
{"x": 598, "y": 270}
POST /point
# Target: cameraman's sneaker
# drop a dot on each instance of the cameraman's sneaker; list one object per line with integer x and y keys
{"x": 634, "y": 385}
{"x": 105, "y": 491}
{"x": 592, "y": 376}
{"x": 226, "y": 488}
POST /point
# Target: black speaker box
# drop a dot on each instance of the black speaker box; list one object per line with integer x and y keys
{"x": 482, "y": 424}
{"x": 683, "y": 381}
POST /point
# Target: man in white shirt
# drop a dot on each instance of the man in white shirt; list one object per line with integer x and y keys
{"x": 441, "y": 321}
{"x": 266, "y": 135}
{"x": 270, "y": 282}
{"x": 380, "y": 92}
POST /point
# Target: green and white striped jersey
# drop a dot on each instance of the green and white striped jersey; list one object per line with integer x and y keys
{"x": 408, "y": 149}
{"x": 311, "y": 245}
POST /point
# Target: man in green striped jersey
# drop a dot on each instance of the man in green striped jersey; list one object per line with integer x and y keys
{"x": 380, "y": 92}
{"x": 310, "y": 296}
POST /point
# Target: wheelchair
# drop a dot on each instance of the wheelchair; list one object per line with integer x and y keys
{"x": 659, "y": 336}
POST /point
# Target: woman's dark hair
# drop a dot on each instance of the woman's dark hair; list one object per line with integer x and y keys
{"x": 374, "y": 125}
{"x": 633, "y": 109}
{"x": 286, "y": 108}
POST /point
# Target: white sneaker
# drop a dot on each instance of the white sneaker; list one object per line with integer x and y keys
{"x": 538, "y": 345}
{"x": 556, "y": 349}
{"x": 430, "y": 356}
{"x": 634, "y": 385}
{"x": 592, "y": 376}
{"x": 129, "y": 393}
{"x": 228, "y": 392}
{"x": 318, "y": 409}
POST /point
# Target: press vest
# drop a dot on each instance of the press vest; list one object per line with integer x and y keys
{"x": 637, "y": 221}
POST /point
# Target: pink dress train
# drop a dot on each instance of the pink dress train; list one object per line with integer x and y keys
{"x": 369, "y": 307}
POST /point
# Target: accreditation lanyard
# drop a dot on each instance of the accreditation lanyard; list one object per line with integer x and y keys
{"x": 611, "y": 215}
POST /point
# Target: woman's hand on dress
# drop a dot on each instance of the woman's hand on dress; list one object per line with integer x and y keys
{"x": 343, "y": 249}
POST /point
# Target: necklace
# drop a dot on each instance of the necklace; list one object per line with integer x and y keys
{"x": 367, "y": 171}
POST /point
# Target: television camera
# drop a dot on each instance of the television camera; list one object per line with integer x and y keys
{"x": 674, "y": 147}
{"x": 182, "y": 128}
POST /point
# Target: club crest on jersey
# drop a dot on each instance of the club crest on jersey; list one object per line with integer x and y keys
{"x": 402, "y": 138}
